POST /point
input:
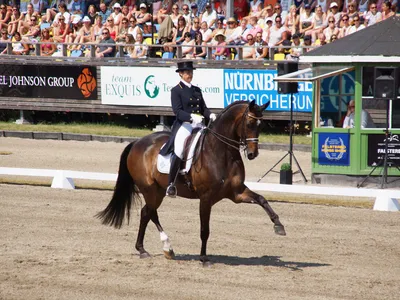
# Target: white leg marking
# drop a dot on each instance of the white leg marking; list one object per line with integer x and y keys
{"x": 166, "y": 244}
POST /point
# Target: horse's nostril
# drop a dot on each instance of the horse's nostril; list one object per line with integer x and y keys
{"x": 250, "y": 155}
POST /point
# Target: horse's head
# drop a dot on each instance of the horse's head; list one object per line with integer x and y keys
{"x": 250, "y": 129}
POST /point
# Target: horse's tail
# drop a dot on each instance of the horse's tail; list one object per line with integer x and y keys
{"x": 124, "y": 192}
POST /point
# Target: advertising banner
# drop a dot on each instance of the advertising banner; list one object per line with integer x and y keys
{"x": 151, "y": 87}
{"x": 376, "y": 149}
{"x": 334, "y": 149}
{"x": 62, "y": 82}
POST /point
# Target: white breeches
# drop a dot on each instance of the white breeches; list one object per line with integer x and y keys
{"x": 183, "y": 132}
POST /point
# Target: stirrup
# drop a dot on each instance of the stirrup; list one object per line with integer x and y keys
{"x": 171, "y": 191}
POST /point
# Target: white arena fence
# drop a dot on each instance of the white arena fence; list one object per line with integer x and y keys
{"x": 385, "y": 199}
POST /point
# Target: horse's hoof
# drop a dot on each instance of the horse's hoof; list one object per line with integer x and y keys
{"x": 279, "y": 229}
{"x": 207, "y": 264}
{"x": 169, "y": 254}
{"x": 144, "y": 255}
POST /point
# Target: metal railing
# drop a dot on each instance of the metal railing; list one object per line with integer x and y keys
{"x": 153, "y": 49}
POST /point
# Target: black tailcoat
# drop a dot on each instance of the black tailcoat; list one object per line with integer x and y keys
{"x": 185, "y": 101}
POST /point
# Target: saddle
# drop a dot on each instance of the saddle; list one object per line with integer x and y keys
{"x": 164, "y": 162}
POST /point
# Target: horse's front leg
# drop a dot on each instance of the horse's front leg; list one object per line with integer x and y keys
{"x": 248, "y": 196}
{"x": 205, "y": 212}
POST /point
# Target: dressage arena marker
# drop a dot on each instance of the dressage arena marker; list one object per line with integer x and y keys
{"x": 386, "y": 200}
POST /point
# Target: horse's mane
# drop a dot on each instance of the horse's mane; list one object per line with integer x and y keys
{"x": 232, "y": 105}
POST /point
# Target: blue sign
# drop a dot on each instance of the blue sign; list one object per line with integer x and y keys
{"x": 259, "y": 85}
{"x": 334, "y": 149}
{"x": 332, "y": 93}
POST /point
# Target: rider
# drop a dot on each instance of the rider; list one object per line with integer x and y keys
{"x": 190, "y": 109}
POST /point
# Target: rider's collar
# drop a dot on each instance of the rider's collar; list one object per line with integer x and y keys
{"x": 189, "y": 85}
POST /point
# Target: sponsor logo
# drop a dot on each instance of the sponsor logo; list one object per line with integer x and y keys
{"x": 86, "y": 82}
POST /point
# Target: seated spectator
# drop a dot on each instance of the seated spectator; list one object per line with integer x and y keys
{"x": 60, "y": 30}
{"x": 220, "y": 52}
{"x": 5, "y": 16}
{"x": 307, "y": 43}
{"x": 53, "y": 14}
{"x": 19, "y": 48}
{"x": 357, "y": 25}
{"x": 92, "y": 13}
{"x": 38, "y": 6}
{"x": 387, "y": 11}
{"x": 292, "y": 20}
{"x": 194, "y": 13}
{"x": 254, "y": 27}
{"x": 142, "y": 16}
{"x": 164, "y": 12}
{"x": 175, "y": 15}
{"x": 104, "y": 12}
{"x": 187, "y": 52}
{"x": 140, "y": 50}
{"x": 209, "y": 16}
{"x": 261, "y": 47}
{"x": 279, "y": 12}
{"x": 180, "y": 31}
{"x": 266, "y": 13}
{"x": 186, "y": 14}
{"x": 194, "y": 27}
{"x": 321, "y": 41}
{"x": 85, "y": 34}
{"x": 244, "y": 31}
{"x": 233, "y": 33}
{"x": 112, "y": 28}
{"x": 117, "y": 14}
{"x": 333, "y": 38}
{"x": 77, "y": 9}
{"x": 363, "y": 6}
{"x": 249, "y": 51}
{"x": 16, "y": 17}
{"x": 206, "y": 32}
{"x": 24, "y": 24}
{"x": 33, "y": 30}
{"x": 241, "y": 9}
{"x": 255, "y": 8}
{"x": 74, "y": 35}
{"x": 106, "y": 47}
{"x": 334, "y": 11}
{"x": 306, "y": 20}
{"x": 62, "y": 11}
{"x": 220, "y": 8}
{"x": 344, "y": 30}
{"x": 366, "y": 120}
{"x": 372, "y": 16}
{"x": 275, "y": 33}
{"x": 318, "y": 23}
{"x": 296, "y": 48}
{"x": 219, "y": 28}
{"x": 200, "y": 51}
{"x": 123, "y": 30}
{"x": 129, "y": 49}
{"x": 97, "y": 29}
{"x": 3, "y": 41}
{"x": 352, "y": 10}
{"x": 134, "y": 29}
{"x": 47, "y": 49}
{"x": 331, "y": 29}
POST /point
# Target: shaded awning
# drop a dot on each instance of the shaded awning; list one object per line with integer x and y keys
{"x": 314, "y": 73}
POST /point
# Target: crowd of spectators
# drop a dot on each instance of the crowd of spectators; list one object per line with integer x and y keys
{"x": 270, "y": 29}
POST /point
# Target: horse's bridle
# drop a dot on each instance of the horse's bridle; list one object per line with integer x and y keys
{"x": 242, "y": 144}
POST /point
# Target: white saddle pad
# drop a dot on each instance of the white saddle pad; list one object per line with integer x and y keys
{"x": 164, "y": 162}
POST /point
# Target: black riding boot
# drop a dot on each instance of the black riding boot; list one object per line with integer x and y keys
{"x": 173, "y": 172}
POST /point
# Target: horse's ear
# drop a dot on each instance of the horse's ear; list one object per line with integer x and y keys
{"x": 264, "y": 106}
{"x": 251, "y": 105}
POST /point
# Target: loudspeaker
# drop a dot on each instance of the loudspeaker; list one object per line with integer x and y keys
{"x": 284, "y": 68}
{"x": 385, "y": 83}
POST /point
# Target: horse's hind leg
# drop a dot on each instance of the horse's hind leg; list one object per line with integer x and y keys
{"x": 145, "y": 216}
{"x": 167, "y": 248}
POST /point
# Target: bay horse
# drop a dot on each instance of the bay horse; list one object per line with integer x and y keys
{"x": 217, "y": 172}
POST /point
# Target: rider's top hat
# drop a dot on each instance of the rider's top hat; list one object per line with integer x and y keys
{"x": 185, "y": 65}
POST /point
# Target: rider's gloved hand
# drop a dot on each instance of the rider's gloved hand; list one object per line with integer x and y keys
{"x": 196, "y": 119}
{"x": 213, "y": 117}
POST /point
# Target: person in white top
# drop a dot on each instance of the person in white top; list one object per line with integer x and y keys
{"x": 233, "y": 32}
{"x": 334, "y": 11}
{"x": 357, "y": 25}
{"x": 209, "y": 16}
{"x": 366, "y": 120}
{"x": 372, "y": 16}
{"x": 275, "y": 33}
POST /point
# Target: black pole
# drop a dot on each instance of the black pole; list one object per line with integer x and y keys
{"x": 291, "y": 131}
{"x": 385, "y": 158}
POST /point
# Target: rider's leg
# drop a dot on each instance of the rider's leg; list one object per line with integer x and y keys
{"x": 183, "y": 132}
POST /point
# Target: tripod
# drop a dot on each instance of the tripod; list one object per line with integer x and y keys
{"x": 290, "y": 152}
{"x": 383, "y": 161}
